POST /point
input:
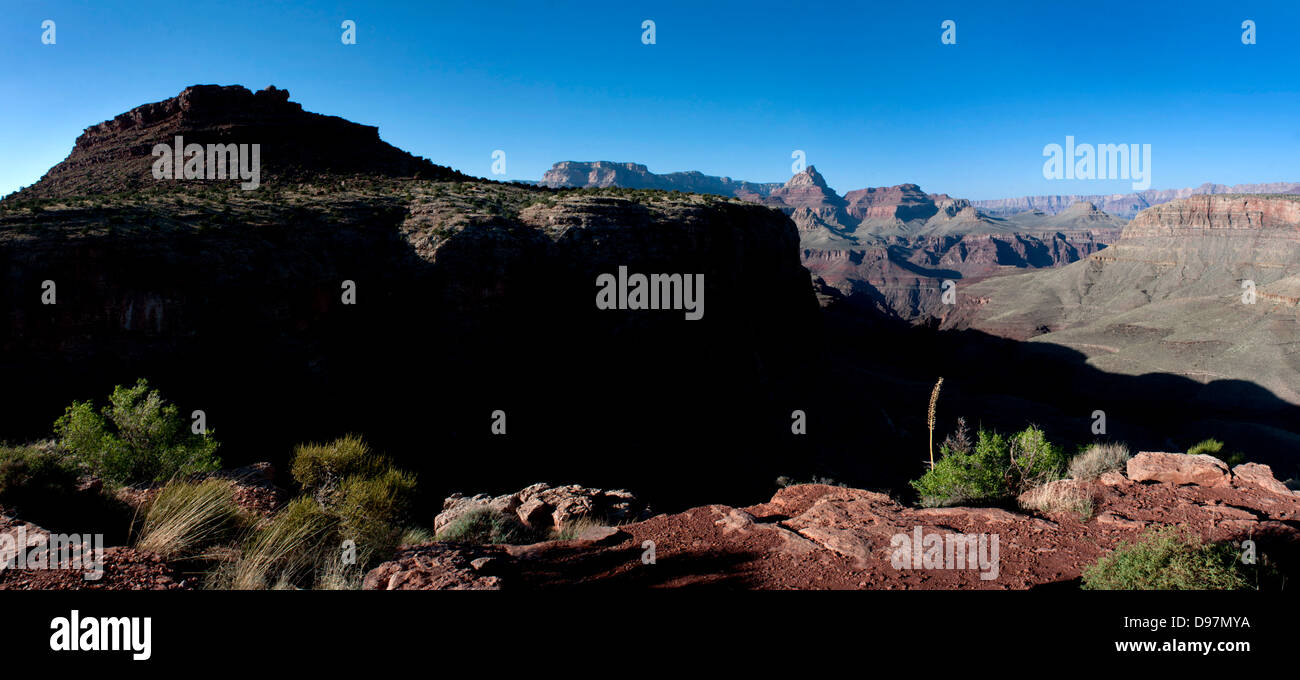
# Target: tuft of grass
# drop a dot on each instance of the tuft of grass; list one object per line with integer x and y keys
{"x": 417, "y": 536}
{"x": 574, "y": 528}
{"x": 1214, "y": 447}
{"x": 286, "y": 550}
{"x": 484, "y": 526}
{"x": 1097, "y": 460}
{"x": 185, "y": 518}
{"x": 1168, "y": 559}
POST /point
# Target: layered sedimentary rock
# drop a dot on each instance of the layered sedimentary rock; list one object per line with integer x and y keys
{"x": 637, "y": 176}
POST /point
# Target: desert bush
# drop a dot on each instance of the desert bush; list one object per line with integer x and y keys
{"x": 322, "y": 467}
{"x": 1168, "y": 559}
{"x": 373, "y": 512}
{"x": 996, "y": 467}
{"x": 138, "y": 437}
{"x": 1097, "y": 460}
{"x": 187, "y": 517}
{"x": 487, "y": 526}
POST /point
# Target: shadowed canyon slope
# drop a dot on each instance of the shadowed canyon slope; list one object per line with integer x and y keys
{"x": 471, "y": 297}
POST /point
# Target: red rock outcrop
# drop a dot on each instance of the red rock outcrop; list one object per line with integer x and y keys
{"x": 825, "y": 537}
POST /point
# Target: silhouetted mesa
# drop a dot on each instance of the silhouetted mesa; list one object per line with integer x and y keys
{"x": 116, "y": 155}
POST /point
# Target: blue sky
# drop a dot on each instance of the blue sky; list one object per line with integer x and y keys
{"x": 866, "y": 89}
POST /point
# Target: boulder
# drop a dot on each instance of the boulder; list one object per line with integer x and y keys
{"x": 436, "y": 566}
{"x": 1259, "y": 475}
{"x": 1178, "y": 468}
{"x": 542, "y": 506}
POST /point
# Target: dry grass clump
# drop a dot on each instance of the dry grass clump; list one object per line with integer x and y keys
{"x": 1097, "y": 460}
{"x": 1059, "y": 497}
{"x": 187, "y": 517}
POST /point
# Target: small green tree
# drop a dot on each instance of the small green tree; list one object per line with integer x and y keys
{"x": 138, "y": 437}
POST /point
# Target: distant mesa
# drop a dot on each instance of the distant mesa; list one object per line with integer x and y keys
{"x": 116, "y": 155}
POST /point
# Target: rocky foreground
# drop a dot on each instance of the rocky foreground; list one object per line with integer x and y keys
{"x": 814, "y": 536}
{"x": 808, "y": 536}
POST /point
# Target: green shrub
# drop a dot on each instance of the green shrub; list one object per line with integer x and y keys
{"x": 1097, "y": 460}
{"x": 1167, "y": 559}
{"x": 486, "y": 526}
{"x": 186, "y": 517}
{"x": 322, "y": 467}
{"x": 996, "y": 468}
{"x": 138, "y": 437}
{"x": 966, "y": 477}
{"x": 374, "y": 511}
{"x": 33, "y": 476}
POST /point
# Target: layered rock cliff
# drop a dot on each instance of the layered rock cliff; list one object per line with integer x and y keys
{"x": 1125, "y": 205}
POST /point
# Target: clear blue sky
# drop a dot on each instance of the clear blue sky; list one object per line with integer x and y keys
{"x": 730, "y": 88}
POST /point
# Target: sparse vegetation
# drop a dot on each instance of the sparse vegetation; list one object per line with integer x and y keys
{"x": 1168, "y": 559}
{"x": 485, "y": 526}
{"x": 353, "y": 514}
{"x": 138, "y": 437}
